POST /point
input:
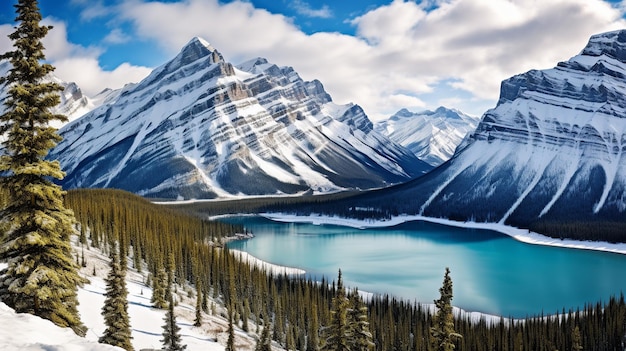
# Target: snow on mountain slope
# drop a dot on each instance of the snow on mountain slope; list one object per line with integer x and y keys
{"x": 431, "y": 135}
{"x": 552, "y": 149}
{"x": 198, "y": 127}
{"x": 73, "y": 102}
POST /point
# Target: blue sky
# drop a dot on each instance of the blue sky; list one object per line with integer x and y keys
{"x": 382, "y": 55}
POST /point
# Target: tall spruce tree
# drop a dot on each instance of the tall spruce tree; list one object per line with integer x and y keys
{"x": 41, "y": 277}
{"x": 198, "y": 321}
{"x": 159, "y": 288}
{"x": 442, "y": 333}
{"x": 337, "y": 334}
{"x": 360, "y": 335}
{"x": 264, "y": 343}
{"x": 230, "y": 343}
{"x": 171, "y": 331}
{"x": 115, "y": 309}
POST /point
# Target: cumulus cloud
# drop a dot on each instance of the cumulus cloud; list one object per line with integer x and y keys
{"x": 117, "y": 36}
{"x": 401, "y": 50}
{"x": 75, "y": 63}
{"x": 305, "y": 9}
{"x": 404, "y": 54}
{"x": 92, "y": 79}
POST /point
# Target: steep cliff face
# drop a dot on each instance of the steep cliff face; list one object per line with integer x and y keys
{"x": 431, "y": 135}
{"x": 553, "y": 148}
{"x": 199, "y": 127}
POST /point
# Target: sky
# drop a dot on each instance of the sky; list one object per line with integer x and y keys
{"x": 383, "y": 55}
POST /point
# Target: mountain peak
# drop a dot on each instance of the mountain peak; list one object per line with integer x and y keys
{"x": 196, "y": 49}
{"x": 612, "y": 44}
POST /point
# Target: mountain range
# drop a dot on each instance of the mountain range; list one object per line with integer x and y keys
{"x": 431, "y": 135}
{"x": 200, "y": 127}
{"x": 551, "y": 150}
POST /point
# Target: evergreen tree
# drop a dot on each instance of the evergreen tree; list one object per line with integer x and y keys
{"x": 360, "y": 335}
{"x": 231, "y": 303}
{"x": 171, "y": 331}
{"x": 159, "y": 289}
{"x": 264, "y": 343}
{"x": 338, "y": 332}
{"x": 577, "y": 342}
{"x": 312, "y": 339}
{"x": 115, "y": 309}
{"x": 230, "y": 343}
{"x": 41, "y": 277}
{"x": 442, "y": 333}
{"x": 198, "y": 321}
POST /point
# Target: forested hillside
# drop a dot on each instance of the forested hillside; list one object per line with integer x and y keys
{"x": 299, "y": 309}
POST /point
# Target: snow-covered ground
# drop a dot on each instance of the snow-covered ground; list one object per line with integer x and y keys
{"x": 270, "y": 267}
{"x": 31, "y": 333}
{"x": 522, "y": 235}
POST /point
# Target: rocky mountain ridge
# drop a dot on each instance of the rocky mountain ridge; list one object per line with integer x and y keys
{"x": 552, "y": 150}
{"x": 431, "y": 135}
{"x": 199, "y": 127}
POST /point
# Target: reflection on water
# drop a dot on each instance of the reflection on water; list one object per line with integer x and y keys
{"x": 492, "y": 273}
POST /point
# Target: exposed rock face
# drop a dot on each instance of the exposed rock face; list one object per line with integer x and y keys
{"x": 553, "y": 148}
{"x": 198, "y": 127}
{"x": 431, "y": 135}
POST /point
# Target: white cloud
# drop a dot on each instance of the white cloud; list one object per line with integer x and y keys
{"x": 303, "y": 8}
{"x": 5, "y": 42}
{"x": 402, "y": 52}
{"x": 117, "y": 36}
{"x": 92, "y": 79}
{"x": 75, "y": 63}
{"x": 399, "y": 47}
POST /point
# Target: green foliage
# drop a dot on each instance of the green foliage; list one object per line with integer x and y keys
{"x": 171, "y": 331}
{"x": 41, "y": 277}
{"x": 443, "y": 334}
{"x": 300, "y": 304}
{"x": 264, "y": 343}
{"x": 230, "y": 343}
{"x": 198, "y": 321}
{"x": 115, "y": 309}
{"x": 160, "y": 289}
{"x": 360, "y": 335}
{"x": 338, "y": 333}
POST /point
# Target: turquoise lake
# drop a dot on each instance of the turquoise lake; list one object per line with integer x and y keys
{"x": 492, "y": 273}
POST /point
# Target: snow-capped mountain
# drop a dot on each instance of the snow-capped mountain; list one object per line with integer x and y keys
{"x": 199, "y": 127}
{"x": 73, "y": 102}
{"x": 552, "y": 149}
{"x": 431, "y": 135}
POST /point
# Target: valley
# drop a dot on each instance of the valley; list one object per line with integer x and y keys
{"x": 242, "y": 196}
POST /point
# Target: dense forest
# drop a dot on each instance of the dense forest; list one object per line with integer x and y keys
{"x": 298, "y": 309}
{"x": 346, "y": 204}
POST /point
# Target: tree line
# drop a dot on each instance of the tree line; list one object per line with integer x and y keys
{"x": 295, "y": 309}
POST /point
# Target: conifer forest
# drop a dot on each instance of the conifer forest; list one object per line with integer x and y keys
{"x": 301, "y": 311}
{"x": 176, "y": 245}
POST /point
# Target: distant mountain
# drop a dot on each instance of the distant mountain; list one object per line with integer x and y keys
{"x": 199, "y": 127}
{"x": 73, "y": 102}
{"x": 431, "y": 135}
{"x": 553, "y": 149}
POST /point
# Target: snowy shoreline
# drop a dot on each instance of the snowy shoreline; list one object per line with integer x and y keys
{"x": 522, "y": 235}
{"x": 270, "y": 267}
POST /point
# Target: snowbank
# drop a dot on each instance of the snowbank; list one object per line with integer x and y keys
{"x": 270, "y": 267}
{"x": 522, "y": 235}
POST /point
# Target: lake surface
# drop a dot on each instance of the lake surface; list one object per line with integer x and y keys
{"x": 491, "y": 272}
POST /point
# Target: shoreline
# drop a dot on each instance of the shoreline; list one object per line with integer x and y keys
{"x": 522, "y": 235}
{"x": 270, "y": 267}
